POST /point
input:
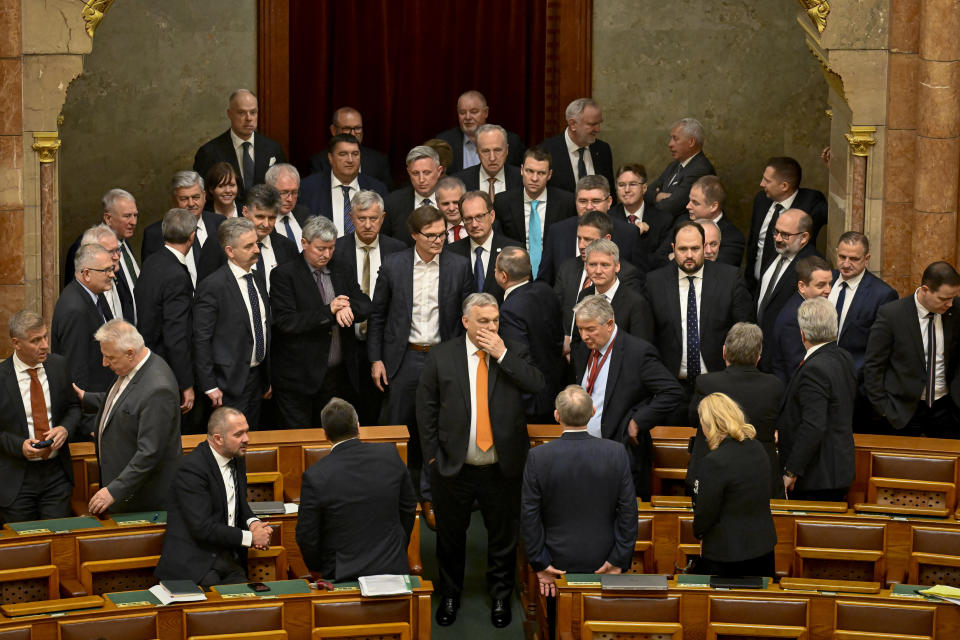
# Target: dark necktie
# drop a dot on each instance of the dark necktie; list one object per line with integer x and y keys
{"x": 247, "y": 165}
{"x": 128, "y": 261}
{"x": 126, "y": 298}
{"x": 693, "y": 332}
{"x": 289, "y": 229}
{"x": 38, "y": 407}
{"x": 260, "y": 261}
{"x": 235, "y": 476}
{"x": 632, "y": 219}
{"x": 365, "y": 282}
{"x": 426, "y": 203}
{"x": 258, "y": 337}
{"x": 347, "y": 220}
{"x": 478, "y": 269}
{"x": 581, "y": 165}
{"x": 325, "y": 285}
{"x": 104, "y": 308}
{"x": 769, "y": 245}
{"x": 840, "y": 300}
{"x": 771, "y": 285}
{"x": 675, "y": 178}
{"x": 931, "y": 358}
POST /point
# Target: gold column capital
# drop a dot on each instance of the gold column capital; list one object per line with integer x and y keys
{"x": 46, "y": 143}
{"x": 93, "y": 12}
{"x": 817, "y": 10}
{"x": 861, "y": 138}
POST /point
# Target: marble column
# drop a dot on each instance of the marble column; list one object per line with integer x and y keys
{"x": 46, "y": 145}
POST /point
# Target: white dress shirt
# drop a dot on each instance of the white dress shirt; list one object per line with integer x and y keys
{"x": 541, "y": 214}
{"x": 786, "y": 203}
{"x": 639, "y": 213}
{"x": 419, "y": 200}
{"x": 940, "y": 385}
{"x": 599, "y": 386}
{"x": 336, "y": 199}
{"x": 192, "y": 259}
{"x": 768, "y": 275}
{"x": 23, "y": 381}
{"x": 484, "y": 255}
{"x": 512, "y": 288}
{"x": 112, "y": 296}
{"x": 684, "y": 288}
{"x": 227, "y": 475}
{"x": 239, "y": 274}
{"x": 269, "y": 259}
{"x": 374, "y": 271}
{"x": 294, "y": 226}
{"x": 425, "y": 314}
{"x": 498, "y": 187}
{"x": 574, "y": 153}
{"x": 475, "y": 455}
{"x": 852, "y": 285}
{"x": 238, "y": 149}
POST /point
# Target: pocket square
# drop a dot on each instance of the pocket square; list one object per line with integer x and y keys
{"x": 273, "y": 161}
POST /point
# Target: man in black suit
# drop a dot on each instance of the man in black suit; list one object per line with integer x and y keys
{"x": 314, "y": 307}
{"x": 593, "y": 194}
{"x": 262, "y": 208}
{"x": 359, "y": 256}
{"x": 328, "y": 193}
{"x": 165, "y": 298}
{"x": 534, "y": 203}
{"x": 816, "y": 420}
{"x": 631, "y": 390}
{"x": 472, "y": 113}
{"x": 530, "y": 316}
{"x": 631, "y": 311}
{"x": 424, "y": 170}
{"x": 671, "y": 191}
{"x": 37, "y": 403}
{"x": 120, "y": 214}
{"x": 653, "y": 226}
{"x": 209, "y": 524}
{"x": 813, "y": 280}
{"x": 348, "y": 121}
{"x": 483, "y": 243}
{"x": 449, "y": 191}
{"x": 251, "y": 154}
{"x": 694, "y": 305}
{"x": 706, "y": 203}
{"x": 231, "y": 326}
{"x": 205, "y": 256}
{"x": 780, "y": 190}
{"x": 340, "y": 498}
{"x": 119, "y": 297}
{"x": 493, "y": 175}
{"x": 474, "y": 434}
{"x": 571, "y": 162}
{"x": 758, "y": 394}
{"x": 778, "y": 283}
{"x": 909, "y": 369}
{"x": 286, "y": 180}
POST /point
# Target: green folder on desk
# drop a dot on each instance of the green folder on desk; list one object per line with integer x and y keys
{"x": 582, "y": 579}
{"x": 694, "y": 580}
{"x": 140, "y": 518}
{"x": 276, "y": 588}
{"x": 912, "y": 591}
{"x": 56, "y": 525}
{"x": 132, "y": 599}
{"x": 353, "y": 585}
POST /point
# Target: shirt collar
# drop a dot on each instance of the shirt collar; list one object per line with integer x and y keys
{"x": 237, "y": 140}
{"x": 360, "y": 243}
{"x": 513, "y": 288}
{"x": 812, "y": 349}
{"x": 572, "y": 146}
{"x": 237, "y": 272}
{"x": 90, "y": 293}
{"x": 612, "y": 291}
{"x": 336, "y": 184}
{"x": 682, "y": 275}
{"x": 266, "y": 242}
{"x": 176, "y": 252}
{"x": 610, "y": 341}
{"x": 787, "y": 202}
{"x": 337, "y": 444}
{"x": 20, "y": 366}
{"x": 418, "y": 260}
{"x": 471, "y": 348}
{"x": 687, "y": 161}
{"x": 222, "y": 461}
{"x": 487, "y": 244}
{"x": 853, "y": 282}
{"x": 542, "y": 198}
{"x": 499, "y": 177}
{"x": 922, "y": 311}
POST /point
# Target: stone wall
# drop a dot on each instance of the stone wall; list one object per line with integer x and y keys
{"x": 739, "y": 66}
{"x": 153, "y": 89}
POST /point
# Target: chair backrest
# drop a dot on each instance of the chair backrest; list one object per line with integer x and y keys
{"x": 935, "y": 556}
{"x": 122, "y": 561}
{"x": 670, "y": 461}
{"x": 134, "y": 627}
{"x": 352, "y": 612}
{"x": 839, "y": 551}
{"x": 27, "y": 573}
{"x": 313, "y": 454}
{"x": 756, "y": 617}
{"x": 113, "y": 546}
{"x": 262, "y": 459}
{"x": 861, "y": 620}
{"x": 910, "y": 480}
{"x": 31, "y": 554}
{"x": 233, "y": 620}
{"x": 19, "y": 633}
{"x": 631, "y": 617}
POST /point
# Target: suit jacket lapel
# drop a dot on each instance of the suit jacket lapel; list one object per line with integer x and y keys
{"x": 913, "y": 321}
{"x": 673, "y": 296}
{"x": 221, "y": 488}
{"x": 613, "y": 373}
{"x": 463, "y": 372}
{"x": 233, "y": 290}
{"x": 123, "y": 395}
{"x": 13, "y": 392}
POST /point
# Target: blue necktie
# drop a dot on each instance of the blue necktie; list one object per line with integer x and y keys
{"x": 347, "y": 220}
{"x": 693, "y": 332}
{"x": 840, "y": 300}
{"x": 289, "y": 229}
{"x": 260, "y": 345}
{"x": 478, "y": 269}
{"x": 104, "y": 308}
{"x": 535, "y": 237}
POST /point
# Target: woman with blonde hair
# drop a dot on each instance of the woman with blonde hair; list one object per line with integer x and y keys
{"x": 732, "y": 511}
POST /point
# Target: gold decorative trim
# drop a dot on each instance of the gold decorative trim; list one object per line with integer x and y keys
{"x": 829, "y": 113}
{"x": 817, "y": 10}
{"x": 93, "y": 12}
{"x": 46, "y": 144}
{"x": 861, "y": 139}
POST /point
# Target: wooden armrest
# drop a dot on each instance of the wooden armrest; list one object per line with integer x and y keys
{"x": 262, "y": 477}
{"x": 87, "y": 569}
{"x": 51, "y": 606}
{"x": 670, "y": 473}
{"x": 26, "y": 573}
{"x": 809, "y": 505}
{"x": 858, "y": 555}
{"x": 935, "y": 558}
{"x": 672, "y": 501}
{"x": 70, "y": 588}
{"x": 272, "y": 552}
{"x": 374, "y": 630}
{"x": 760, "y": 630}
{"x": 912, "y": 485}
{"x": 566, "y": 635}
{"x": 642, "y": 545}
{"x": 814, "y": 584}
{"x": 898, "y": 509}
{"x": 609, "y": 626}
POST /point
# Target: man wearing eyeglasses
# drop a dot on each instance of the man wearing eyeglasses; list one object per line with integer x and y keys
{"x": 483, "y": 244}
{"x": 348, "y": 121}
{"x": 416, "y": 305}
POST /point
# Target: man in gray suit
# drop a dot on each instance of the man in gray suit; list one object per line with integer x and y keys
{"x": 137, "y": 426}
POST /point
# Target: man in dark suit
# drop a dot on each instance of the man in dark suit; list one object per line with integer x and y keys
{"x": 493, "y": 175}
{"x": 209, "y": 524}
{"x": 251, "y": 154}
{"x": 571, "y": 162}
{"x": 813, "y": 280}
{"x": 119, "y": 297}
{"x": 424, "y": 170}
{"x": 328, "y": 193}
{"x": 780, "y": 190}
{"x": 631, "y": 311}
{"x": 472, "y": 113}
{"x": 37, "y": 403}
{"x": 138, "y": 424}
{"x": 120, "y": 214}
{"x": 527, "y": 213}
{"x": 653, "y": 226}
{"x": 231, "y": 326}
{"x": 359, "y": 256}
{"x": 631, "y": 390}
{"x": 695, "y": 303}
{"x": 593, "y": 194}
{"x": 340, "y": 498}
{"x": 348, "y": 121}
{"x": 778, "y": 283}
{"x": 474, "y": 434}
{"x": 262, "y": 208}
{"x": 449, "y": 191}
{"x": 483, "y": 243}
{"x": 315, "y": 307}
{"x": 205, "y": 255}
{"x": 286, "y": 180}
{"x": 530, "y": 316}
{"x": 706, "y": 203}
{"x": 816, "y": 420}
{"x": 758, "y": 394}
{"x": 909, "y": 369}
{"x": 671, "y": 191}
{"x": 165, "y": 298}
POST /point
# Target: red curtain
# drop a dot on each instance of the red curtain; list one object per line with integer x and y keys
{"x": 403, "y": 63}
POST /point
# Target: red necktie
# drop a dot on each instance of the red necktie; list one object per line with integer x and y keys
{"x": 38, "y": 407}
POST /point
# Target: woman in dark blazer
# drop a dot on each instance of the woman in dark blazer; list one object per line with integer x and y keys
{"x": 732, "y": 512}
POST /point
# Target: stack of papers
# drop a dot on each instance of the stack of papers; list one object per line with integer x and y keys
{"x": 942, "y": 591}
{"x": 177, "y": 591}
{"x": 384, "y": 585}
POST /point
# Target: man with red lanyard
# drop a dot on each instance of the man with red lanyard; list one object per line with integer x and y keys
{"x": 631, "y": 389}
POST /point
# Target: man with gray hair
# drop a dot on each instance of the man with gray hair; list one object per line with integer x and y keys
{"x": 165, "y": 297}
{"x": 205, "y": 256}
{"x": 630, "y": 309}
{"x": 577, "y": 152}
{"x": 292, "y": 216}
{"x": 120, "y": 214}
{"x": 250, "y": 153}
{"x": 37, "y": 404}
{"x": 475, "y": 443}
{"x": 472, "y": 113}
{"x": 137, "y": 424}
{"x": 315, "y": 308}
{"x": 262, "y": 208}
{"x": 816, "y": 419}
{"x": 671, "y": 191}
{"x": 493, "y": 175}
{"x": 119, "y": 297}
{"x": 424, "y": 170}
{"x": 449, "y": 191}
